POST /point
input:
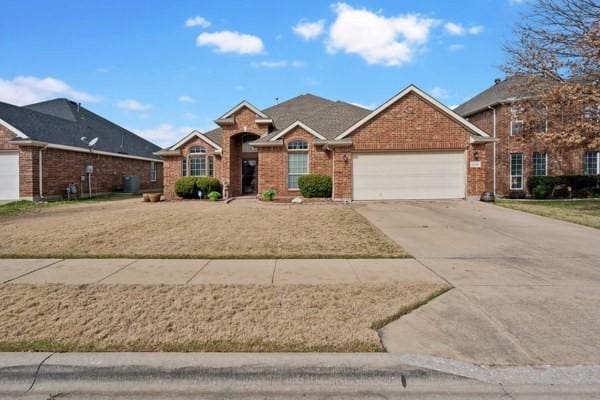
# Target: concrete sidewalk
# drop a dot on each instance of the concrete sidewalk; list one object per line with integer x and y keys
{"x": 196, "y": 272}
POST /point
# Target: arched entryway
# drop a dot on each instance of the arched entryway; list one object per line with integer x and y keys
{"x": 243, "y": 164}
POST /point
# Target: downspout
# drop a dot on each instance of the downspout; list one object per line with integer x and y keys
{"x": 41, "y": 172}
{"x": 494, "y": 148}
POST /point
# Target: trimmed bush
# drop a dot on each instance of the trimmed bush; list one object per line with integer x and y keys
{"x": 315, "y": 185}
{"x": 207, "y": 184}
{"x": 541, "y": 187}
{"x": 188, "y": 186}
{"x": 214, "y": 196}
{"x": 269, "y": 194}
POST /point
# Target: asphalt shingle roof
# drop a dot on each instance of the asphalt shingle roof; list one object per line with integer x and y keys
{"x": 328, "y": 117}
{"x": 64, "y": 122}
{"x": 505, "y": 91}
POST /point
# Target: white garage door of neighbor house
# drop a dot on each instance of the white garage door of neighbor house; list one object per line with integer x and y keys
{"x": 419, "y": 175}
{"x": 9, "y": 176}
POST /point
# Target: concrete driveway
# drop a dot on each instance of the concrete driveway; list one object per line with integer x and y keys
{"x": 527, "y": 288}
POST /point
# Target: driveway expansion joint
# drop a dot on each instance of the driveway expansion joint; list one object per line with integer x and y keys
{"x": 37, "y": 371}
{"x": 32, "y": 271}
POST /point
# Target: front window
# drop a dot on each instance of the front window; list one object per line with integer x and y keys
{"x": 540, "y": 164}
{"x": 211, "y": 166}
{"x": 246, "y": 147}
{"x": 197, "y": 166}
{"x": 516, "y": 124}
{"x": 184, "y": 166}
{"x": 152, "y": 171}
{"x": 516, "y": 171}
{"x": 591, "y": 163}
{"x": 197, "y": 150}
{"x": 297, "y": 162}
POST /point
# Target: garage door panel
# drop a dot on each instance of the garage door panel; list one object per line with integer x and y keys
{"x": 430, "y": 175}
{"x": 9, "y": 176}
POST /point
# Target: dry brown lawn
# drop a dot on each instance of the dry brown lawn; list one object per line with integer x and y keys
{"x": 130, "y": 228}
{"x": 203, "y": 318}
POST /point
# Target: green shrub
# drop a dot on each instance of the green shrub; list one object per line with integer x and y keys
{"x": 207, "y": 184}
{"x": 186, "y": 187}
{"x": 214, "y": 196}
{"x": 269, "y": 194}
{"x": 541, "y": 191}
{"x": 315, "y": 185}
{"x": 581, "y": 185}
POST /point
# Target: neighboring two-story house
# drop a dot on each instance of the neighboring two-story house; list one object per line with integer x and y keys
{"x": 514, "y": 157}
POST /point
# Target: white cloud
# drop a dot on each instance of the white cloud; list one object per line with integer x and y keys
{"x": 456, "y": 47}
{"x": 376, "y": 38}
{"x": 164, "y": 134}
{"x": 231, "y": 42}
{"x": 278, "y": 64}
{"x": 476, "y": 29}
{"x": 197, "y": 21}
{"x": 133, "y": 105}
{"x": 23, "y": 90}
{"x": 186, "y": 99}
{"x": 516, "y": 2}
{"x": 189, "y": 115}
{"x": 309, "y": 30}
{"x": 455, "y": 29}
{"x": 438, "y": 92}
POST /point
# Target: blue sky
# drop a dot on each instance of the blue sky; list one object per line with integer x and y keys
{"x": 162, "y": 68}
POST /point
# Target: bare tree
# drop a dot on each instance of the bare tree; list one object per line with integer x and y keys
{"x": 556, "y": 63}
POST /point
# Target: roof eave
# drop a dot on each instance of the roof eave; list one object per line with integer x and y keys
{"x": 28, "y": 142}
{"x": 167, "y": 153}
{"x": 267, "y": 144}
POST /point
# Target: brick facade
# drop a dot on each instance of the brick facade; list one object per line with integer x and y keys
{"x": 273, "y": 162}
{"x": 173, "y": 165}
{"x": 410, "y": 124}
{"x": 61, "y": 167}
{"x": 561, "y": 162}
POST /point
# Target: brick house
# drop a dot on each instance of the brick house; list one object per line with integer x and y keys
{"x": 513, "y": 157}
{"x": 42, "y": 152}
{"x": 410, "y": 147}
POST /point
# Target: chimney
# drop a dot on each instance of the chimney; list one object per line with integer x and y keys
{"x": 497, "y": 81}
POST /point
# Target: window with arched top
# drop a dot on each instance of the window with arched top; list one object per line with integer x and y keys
{"x": 297, "y": 162}
{"x": 246, "y": 147}
{"x": 197, "y": 149}
{"x": 297, "y": 145}
{"x": 197, "y": 163}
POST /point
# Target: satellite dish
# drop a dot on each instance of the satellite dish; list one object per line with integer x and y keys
{"x": 84, "y": 139}
{"x": 93, "y": 142}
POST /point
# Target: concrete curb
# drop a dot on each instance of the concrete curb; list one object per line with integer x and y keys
{"x": 31, "y": 373}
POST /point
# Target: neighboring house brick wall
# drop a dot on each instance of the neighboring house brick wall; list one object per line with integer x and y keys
{"x": 5, "y": 137}
{"x": 560, "y": 161}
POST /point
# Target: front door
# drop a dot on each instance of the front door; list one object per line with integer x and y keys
{"x": 249, "y": 176}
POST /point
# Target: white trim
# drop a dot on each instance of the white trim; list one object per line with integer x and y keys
{"x": 294, "y": 125}
{"x": 13, "y": 129}
{"x": 191, "y": 135}
{"x": 428, "y": 98}
{"x": 287, "y": 166}
{"x": 241, "y": 105}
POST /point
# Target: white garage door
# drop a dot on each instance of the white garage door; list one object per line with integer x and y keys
{"x": 419, "y": 175}
{"x": 9, "y": 176}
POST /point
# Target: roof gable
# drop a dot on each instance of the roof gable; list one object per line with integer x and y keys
{"x": 413, "y": 89}
{"x": 241, "y": 105}
{"x": 192, "y": 135}
{"x": 297, "y": 124}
